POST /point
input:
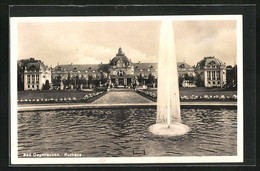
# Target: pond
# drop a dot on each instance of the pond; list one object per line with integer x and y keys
{"x": 125, "y": 133}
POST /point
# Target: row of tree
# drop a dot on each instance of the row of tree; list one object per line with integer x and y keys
{"x": 79, "y": 81}
{"x": 150, "y": 81}
{"x": 231, "y": 77}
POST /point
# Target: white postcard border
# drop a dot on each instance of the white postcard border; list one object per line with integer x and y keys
{"x": 123, "y": 160}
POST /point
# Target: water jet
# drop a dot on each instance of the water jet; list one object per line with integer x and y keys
{"x": 168, "y": 121}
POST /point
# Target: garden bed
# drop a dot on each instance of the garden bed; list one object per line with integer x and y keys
{"x": 56, "y": 96}
{"x": 203, "y": 97}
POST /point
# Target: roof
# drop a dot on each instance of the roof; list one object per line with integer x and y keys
{"x": 31, "y": 65}
{"x": 35, "y": 66}
{"x": 82, "y": 67}
{"x": 155, "y": 65}
{"x": 117, "y": 58}
{"x": 209, "y": 61}
{"x": 104, "y": 67}
{"x": 145, "y": 65}
{"x": 184, "y": 65}
{"x": 120, "y": 56}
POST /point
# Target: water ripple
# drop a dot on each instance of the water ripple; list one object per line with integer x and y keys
{"x": 124, "y": 133}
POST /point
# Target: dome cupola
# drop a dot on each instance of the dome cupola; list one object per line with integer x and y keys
{"x": 120, "y": 59}
{"x": 210, "y": 61}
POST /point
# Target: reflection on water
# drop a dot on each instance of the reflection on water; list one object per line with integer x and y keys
{"x": 124, "y": 132}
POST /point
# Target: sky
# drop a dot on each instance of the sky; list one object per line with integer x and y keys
{"x": 95, "y": 42}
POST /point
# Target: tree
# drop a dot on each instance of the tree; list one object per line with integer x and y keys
{"x": 90, "y": 81}
{"x": 180, "y": 80}
{"x": 189, "y": 77}
{"x": 46, "y": 86}
{"x": 151, "y": 78}
{"x": 141, "y": 79}
{"x": 77, "y": 82}
{"x": 103, "y": 78}
{"x": 56, "y": 81}
{"x": 198, "y": 81}
{"x": 67, "y": 81}
{"x": 231, "y": 77}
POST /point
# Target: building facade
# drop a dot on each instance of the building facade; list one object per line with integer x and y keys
{"x": 212, "y": 72}
{"x": 119, "y": 72}
{"x": 35, "y": 74}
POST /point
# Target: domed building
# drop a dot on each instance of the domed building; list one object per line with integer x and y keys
{"x": 212, "y": 72}
{"x": 121, "y": 70}
{"x": 33, "y": 74}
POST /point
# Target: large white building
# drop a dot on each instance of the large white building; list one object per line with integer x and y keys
{"x": 35, "y": 75}
{"x": 120, "y": 71}
{"x": 212, "y": 71}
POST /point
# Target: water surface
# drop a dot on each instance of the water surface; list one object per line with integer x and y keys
{"x": 124, "y": 133}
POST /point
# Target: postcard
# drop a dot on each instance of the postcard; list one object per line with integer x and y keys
{"x": 126, "y": 89}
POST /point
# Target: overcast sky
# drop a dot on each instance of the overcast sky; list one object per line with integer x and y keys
{"x": 95, "y": 42}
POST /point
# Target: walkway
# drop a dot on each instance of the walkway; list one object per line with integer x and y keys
{"x": 70, "y": 106}
{"x": 122, "y": 97}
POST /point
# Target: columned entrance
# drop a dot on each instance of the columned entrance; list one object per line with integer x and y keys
{"x": 121, "y": 81}
{"x": 129, "y": 81}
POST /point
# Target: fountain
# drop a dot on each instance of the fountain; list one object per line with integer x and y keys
{"x": 168, "y": 121}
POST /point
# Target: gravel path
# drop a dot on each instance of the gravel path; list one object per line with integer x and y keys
{"x": 117, "y": 97}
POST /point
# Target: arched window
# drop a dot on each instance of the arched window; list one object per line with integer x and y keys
{"x": 120, "y": 73}
{"x": 120, "y": 63}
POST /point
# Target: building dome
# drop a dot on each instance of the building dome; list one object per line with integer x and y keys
{"x": 120, "y": 56}
{"x": 209, "y": 61}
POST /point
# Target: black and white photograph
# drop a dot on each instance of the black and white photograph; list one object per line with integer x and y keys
{"x": 126, "y": 89}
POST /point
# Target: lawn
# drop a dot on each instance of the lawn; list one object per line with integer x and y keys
{"x": 45, "y": 96}
{"x": 201, "y": 91}
{"x": 55, "y": 94}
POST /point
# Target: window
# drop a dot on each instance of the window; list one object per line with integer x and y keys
{"x": 32, "y": 86}
{"x": 37, "y": 79}
{"x": 33, "y": 79}
{"x": 212, "y": 63}
{"x": 218, "y": 82}
{"x": 213, "y": 75}
{"x": 208, "y": 75}
{"x": 218, "y": 75}
{"x": 214, "y": 82}
{"x": 120, "y": 73}
{"x": 28, "y": 79}
{"x": 208, "y": 82}
{"x": 28, "y": 86}
{"x": 37, "y": 86}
